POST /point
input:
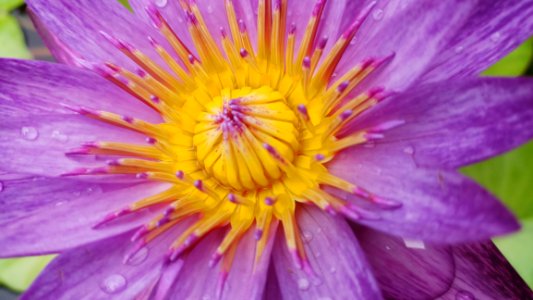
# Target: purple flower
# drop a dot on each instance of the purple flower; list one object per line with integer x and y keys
{"x": 209, "y": 149}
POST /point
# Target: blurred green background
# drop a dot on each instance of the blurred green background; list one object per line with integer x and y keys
{"x": 509, "y": 176}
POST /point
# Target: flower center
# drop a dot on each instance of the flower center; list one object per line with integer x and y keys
{"x": 230, "y": 137}
{"x": 246, "y": 134}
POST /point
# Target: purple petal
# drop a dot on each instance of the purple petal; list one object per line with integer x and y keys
{"x": 491, "y": 30}
{"x": 340, "y": 268}
{"x": 99, "y": 270}
{"x": 437, "y": 40}
{"x": 404, "y": 271}
{"x": 452, "y": 124}
{"x": 45, "y": 215}
{"x": 437, "y": 205}
{"x": 481, "y": 272}
{"x": 37, "y": 128}
{"x": 412, "y": 30}
{"x": 72, "y": 31}
{"x": 462, "y": 272}
{"x": 244, "y": 281}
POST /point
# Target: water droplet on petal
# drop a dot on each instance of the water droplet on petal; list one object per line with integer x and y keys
{"x": 464, "y": 295}
{"x": 139, "y": 257}
{"x": 409, "y": 150}
{"x": 113, "y": 284}
{"x": 29, "y": 133}
{"x": 59, "y": 136}
{"x": 378, "y": 14}
{"x": 303, "y": 284}
{"x": 210, "y": 9}
{"x": 459, "y": 49}
{"x": 307, "y": 236}
{"x": 60, "y": 203}
{"x": 495, "y": 36}
{"x": 160, "y": 3}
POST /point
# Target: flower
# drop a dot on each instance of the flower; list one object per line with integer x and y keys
{"x": 178, "y": 159}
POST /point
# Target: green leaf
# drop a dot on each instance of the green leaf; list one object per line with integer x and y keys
{"x": 12, "y": 38}
{"x": 19, "y": 273}
{"x": 7, "y": 5}
{"x": 517, "y": 249}
{"x": 514, "y": 64}
{"x": 510, "y": 177}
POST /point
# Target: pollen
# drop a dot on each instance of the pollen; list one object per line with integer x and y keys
{"x": 249, "y": 127}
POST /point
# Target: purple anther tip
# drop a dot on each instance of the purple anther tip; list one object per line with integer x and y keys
{"x": 139, "y": 233}
{"x": 190, "y": 240}
{"x": 232, "y": 198}
{"x": 153, "y": 42}
{"x": 142, "y": 73}
{"x": 180, "y": 174}
{"x": 342, "y": 86}
{"x": 322, "y": 43}
{"x": 361, "y": 192}
{"x": 223, "y": 32}
{"x": 302, "y": 109}
{"x": 169, "y": 210}
{"x": 141, "y": 176}
{"x": 269, "y": 201}
{"x": 292, "y": 28}
{"x": 243, "y": 52}
{"x": 127, "y": 119}
{"x": 192, "y": 18}
{"x": 192, "y": 59}
{"x": 306, "y": 62}
{"x": 75, "y": 172}
{"x": 320, "y": 157}
{"x": 151, "y": 140}
{"x": 258, "y": 234}
{"x": 318, "y": 7}
{"x": 277, "y": 5}
{"x": 155, "y": 99}
{"x": 199, "y": 185}
{"x": 269, "y": 148}
{"x": 215, "y": 258}
{"x": 375, "y": 90}
{"x": 346, "y": 114}
{"x": 113, "y": 67}
{"x": 155, "y": 16}
{"x": 113, "y": 163}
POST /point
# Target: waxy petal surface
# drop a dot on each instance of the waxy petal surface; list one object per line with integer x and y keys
{"x": 46, "y": 215}
{"x": 442, "y": 206}
{"x": 38, "y": 125}
{"x": 340, "y": 269}
{"x": 456, "y": 123}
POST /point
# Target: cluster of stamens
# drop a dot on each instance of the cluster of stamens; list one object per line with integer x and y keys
{"x": 247, "y": 132}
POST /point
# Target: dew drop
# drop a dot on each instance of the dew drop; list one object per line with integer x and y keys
{"x": 160, "y": 3}
{"x": 59, "y": 136}
{"x": 495, "y": 36}
{"x": 209, "y": 9}
{"x": 459, "y": 49}
{"x": 60, "y": 203}
{"x": 29, "y": 133}
{"x": 307, "y": 236}
{"x": 464, "y": 295}
{"x": 332, "y": 270}
{"x": 303, "y": 284}
{"x": 113, "y": 284}
{"x": 1, "y": 186}
{"x": 409, "y": 150}
{"x": 378, "y": 14}
{"x": 139, "y": 257}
